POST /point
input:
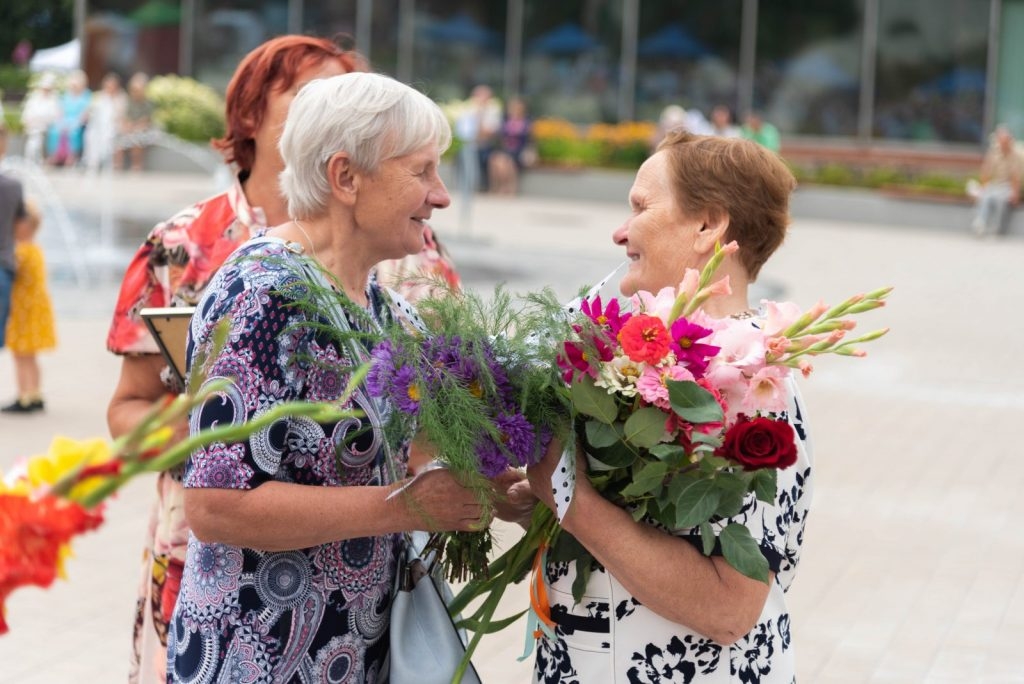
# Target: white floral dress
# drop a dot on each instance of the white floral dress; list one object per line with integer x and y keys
{"x": 610, "y": 638}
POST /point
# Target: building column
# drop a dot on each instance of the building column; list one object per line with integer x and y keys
{"x": 868, "y": 66}
{"x": 627, "y": 60}
{"x": 748, "y": 56}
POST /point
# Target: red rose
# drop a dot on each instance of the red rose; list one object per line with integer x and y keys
{"x": 759, "y": 443}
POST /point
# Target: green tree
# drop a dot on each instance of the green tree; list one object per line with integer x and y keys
{"x": 43, "y": 23}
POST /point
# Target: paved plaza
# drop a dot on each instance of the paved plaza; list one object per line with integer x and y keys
{"x": 913, "y": 566}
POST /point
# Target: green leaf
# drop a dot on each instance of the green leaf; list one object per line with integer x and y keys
{"x": 673, "y": 454}
{"x": 733, "y": 488}
{"x": 489, "y": 626}
{"x": 696, "y": 503}
{"x": 713, "y": 439}
{"x": 765, "y": 485}
{"x": 742, "y": 552}
{"x": 566, "y": 548}
{"x": 647, "y": 480}
{"x": 579, "y": 585}
{"x": 707, "y": 538}
{"x": 645, "y": 428}
{"x": 591, "y": 400}
{"x": 692, "y": 402}
{"x": 639, "y": 511}
{"x": 601, "y": 434}
{"x": 709, "y": 463}
{"x": 618, "y": 455}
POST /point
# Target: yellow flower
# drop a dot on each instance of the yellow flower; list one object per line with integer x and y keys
{"x": 65, "y": 456}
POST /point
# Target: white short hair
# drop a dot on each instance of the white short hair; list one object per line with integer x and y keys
{"x": 370, "y": 116}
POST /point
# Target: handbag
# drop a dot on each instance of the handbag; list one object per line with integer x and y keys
{"x": 426, "y": 647}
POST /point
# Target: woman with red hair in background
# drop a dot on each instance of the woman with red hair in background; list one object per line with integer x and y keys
{"x": 174, "y": 266}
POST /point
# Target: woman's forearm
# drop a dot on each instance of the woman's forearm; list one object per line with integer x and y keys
{"x": 667, "y": 574}
{"x": 281, "y": 516}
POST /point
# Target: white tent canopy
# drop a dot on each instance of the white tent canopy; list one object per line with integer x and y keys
{"x": 66, "y": 57}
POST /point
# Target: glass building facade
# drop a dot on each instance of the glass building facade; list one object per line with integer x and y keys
{"x": 929, "y": 72}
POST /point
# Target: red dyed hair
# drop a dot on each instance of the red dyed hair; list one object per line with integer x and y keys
{"x": 273, "y": 65}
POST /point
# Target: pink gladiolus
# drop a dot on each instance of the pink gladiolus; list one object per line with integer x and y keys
{"x": 777, "y": 346}
{"x": 805, "y": 367}
{"x": 779, "y": 316}
{"x": 659, "y": 305}
{"x": 766, "y": 391}
{"x": 690, "y": 283}
{"x": 718, "y": 288}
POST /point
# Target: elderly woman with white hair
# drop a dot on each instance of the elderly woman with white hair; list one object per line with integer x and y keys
{"x": 291, "y": 560}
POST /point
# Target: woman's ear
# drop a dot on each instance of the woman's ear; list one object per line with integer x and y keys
{"x": 342, "y": 178}
{"x": 712, "y": 232}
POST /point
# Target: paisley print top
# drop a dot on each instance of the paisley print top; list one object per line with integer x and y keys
{"x": 314, "y": 614}
{"x": 610, "y": 637}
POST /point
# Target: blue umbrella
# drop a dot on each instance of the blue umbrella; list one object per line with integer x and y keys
{"x": 671, "y": 41}
{"x": 567, "y": 39}
{"x": 956, "y": 80}
{"x": 462, "y": 28}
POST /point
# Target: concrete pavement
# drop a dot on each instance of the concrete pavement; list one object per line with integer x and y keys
{"x": 913, "y": 567}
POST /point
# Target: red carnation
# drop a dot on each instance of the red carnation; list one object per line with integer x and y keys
{"x": 759, "y": 443}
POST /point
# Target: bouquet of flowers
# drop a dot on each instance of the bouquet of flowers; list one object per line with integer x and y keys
{"x": 681, "y": 417}
{"x": 466, "y": 379}
{"x": 49, "y": 499}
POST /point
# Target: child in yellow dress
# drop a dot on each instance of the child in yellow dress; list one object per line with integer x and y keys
{"x": 30, "y": 327}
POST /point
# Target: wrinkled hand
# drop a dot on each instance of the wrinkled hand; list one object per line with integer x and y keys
{"x": 441, "y": 504}
{"x": 513, "y": 498}
{"x": 540, "y": 474}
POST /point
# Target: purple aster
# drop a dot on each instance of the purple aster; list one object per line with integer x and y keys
{"x": 406, "y": 390}
{"x": 691, "y": 353}
{"x": 382, "y": 370}
{"x": 493, "y": 461}
{"x": 518, "y": 437}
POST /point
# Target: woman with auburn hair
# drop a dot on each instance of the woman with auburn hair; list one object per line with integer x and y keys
{"x": 656, "y": 608}
{"x": 173, "y": 268}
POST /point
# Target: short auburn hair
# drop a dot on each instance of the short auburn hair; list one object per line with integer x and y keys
{"x": 273, "y": 65}
{"x": 736, "y": 177}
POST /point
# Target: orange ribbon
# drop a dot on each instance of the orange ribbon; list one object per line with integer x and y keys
{"x": 539, "y": 591}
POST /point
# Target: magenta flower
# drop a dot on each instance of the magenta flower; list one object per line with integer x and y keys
{"x": 609, "y": 317}
{"x": 691, "y": 353}
{"x": 579, "y": 359}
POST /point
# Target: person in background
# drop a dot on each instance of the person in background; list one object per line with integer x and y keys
{"x": 721, "y": 123}
{"x": 138, "y": 118}
{"x": 476, "y": 129}
{"x": 1000, "y": 184}
{"x": 173, "y": 268}
{"x": 761, "y": 132}
{"x": 12, "y": 210}
{"x": 509, "y": 158}
{"x": 30, "y": 327}
{"x": 40, "y": 111}
{"x": 105, "y": 120}
{"x": 64, "y": 138}
{"x": 672, "y": 118}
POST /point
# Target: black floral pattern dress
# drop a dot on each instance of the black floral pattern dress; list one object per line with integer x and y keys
{"x": 609, "y": 637}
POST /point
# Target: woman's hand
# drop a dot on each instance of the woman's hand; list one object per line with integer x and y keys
{"x": 439, "y": 503}
{"x": 513, "y": 498}
{"x": 540, "y": 475}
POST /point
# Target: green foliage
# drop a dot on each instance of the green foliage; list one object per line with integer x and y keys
{"x": 13, "y": 81}
{"x": 43, "y": 23}
{"x": 885, "y": 177}
{"x": 186, "y": 108}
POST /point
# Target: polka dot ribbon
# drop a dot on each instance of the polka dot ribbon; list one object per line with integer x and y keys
{"x": 563, "y": 480}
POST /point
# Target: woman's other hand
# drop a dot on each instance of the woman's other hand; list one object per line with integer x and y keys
{"x": 437, "y": 502}
{"x": 513, "y": 498}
